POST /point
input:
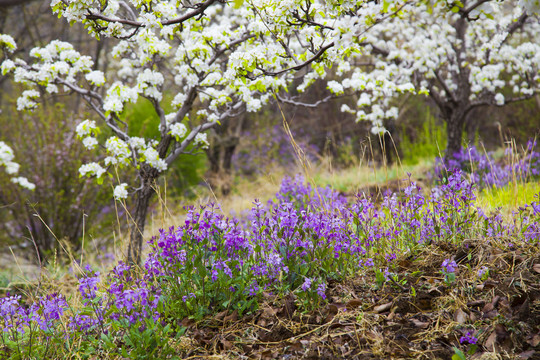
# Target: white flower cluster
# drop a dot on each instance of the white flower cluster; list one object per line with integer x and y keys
{"x": 118, "y": 151}
{"x": 120, "y": 192}
{"x": 531, "y": 6}
{"x": 6, "y": 159}
{"x": 499, "y": 99}
{"x": 95, "y": 77}
{"x": 148, "y": 83}
{"x": 12, "y": 168}
{"x": 87, "y": 130}
{"x": 91, "y": 169}
{"x": 151, "y": 157}
{"x": 27, "y": 100}
{"x": 201, "y": 139}
{"x": 422, "y": 51}
{"x": 8, "y": 43}
{"x": 54, "y": 64}
{"x": 23, "y": 182}
{"x": 75, "y": 10}
{"x": 117, "y": 95}
{"x": 178, "y": 130}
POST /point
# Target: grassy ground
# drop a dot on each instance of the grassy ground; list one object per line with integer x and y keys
{"x": 416, "y": 315}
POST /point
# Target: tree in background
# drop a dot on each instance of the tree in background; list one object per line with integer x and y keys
{"x": 200, "y": 63}
{"x": 480, "y": 53}
{"x": 210, "y": 56}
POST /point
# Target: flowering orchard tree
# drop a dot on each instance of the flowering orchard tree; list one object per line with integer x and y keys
{"x": 471, "y": 54}
{"x": 206, "y": 60}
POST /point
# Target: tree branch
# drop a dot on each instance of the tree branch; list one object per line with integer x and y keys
{"x": 319, "y": 53}
{"x": 297, "y": 103}
{"x": 465, "y": 12}
{"x": 198, "y": 11}
{"x": 449, "y": 93}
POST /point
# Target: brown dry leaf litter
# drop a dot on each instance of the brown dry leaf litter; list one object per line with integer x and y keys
{"x": 362, "y": 321}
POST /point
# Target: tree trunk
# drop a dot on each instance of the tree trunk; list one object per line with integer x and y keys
{"x": 454, "y": 133}
{"x": 220, "y": 157}
{"x": 139, "y": 220}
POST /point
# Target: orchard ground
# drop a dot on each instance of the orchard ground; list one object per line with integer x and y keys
{"x": 467, "y": 295}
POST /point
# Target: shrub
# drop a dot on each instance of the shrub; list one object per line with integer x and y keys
{"x": 62, "y": 204}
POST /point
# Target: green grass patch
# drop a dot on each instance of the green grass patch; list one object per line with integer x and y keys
{"x": 508, "y": 198}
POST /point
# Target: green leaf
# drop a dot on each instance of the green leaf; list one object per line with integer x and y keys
{"x": 455, "y": 9}
{"x": 459, "y": 355}
{"x": 238, "y": 3}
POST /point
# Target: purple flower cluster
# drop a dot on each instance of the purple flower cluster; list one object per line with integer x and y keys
{"x": 449, "y": 266}
{"x": 303, "y": 195}
{"x": 44, "y": 313}
{"x": 468, "y": 338}
{"x": 486, "y": 172}
{"x": 293, "y": 244}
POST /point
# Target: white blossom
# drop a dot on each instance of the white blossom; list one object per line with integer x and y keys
{"x": 91, "y": 169}
{"x": 86, "y": 128}
{"x": 95, "y": 77}
{"x": 7, "y": 66}
{"x": 152, "y": 158}
{"x": 117, "y": 150}
{"x": 120, "y": 191}
{"x": 8, "y": 43}
{"x": 117, "y": 95}
{"x": 499, "y": 99}
{"x": 201, "y": 139}
{"x": 137, "y": 143}
{"x": 23, "y": 182}
{"x": 178, "y": 130}
{"x": 26, "y": 100}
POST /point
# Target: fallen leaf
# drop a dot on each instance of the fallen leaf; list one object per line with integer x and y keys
{"x": 382, "y": 308}
{"x": 296, "y": 346}
{"x": 221, "y": 315}
{"x": 536, "y": 267}
{"x": 490, "y": 315}
{"x": 268, "y": 354}
{"x": 490, "y": 341}
{"x": 420, "y": 324}
{"x": 534, "y": 340}
{"x": 268, "y": 312}
{"x": 232, "y": 317}
{"x": 526, "y": 354}
{"x": 354, "y": 303}
{"x": 476, "y": 303}
{"x": 227, "y": 345}
{"x": 460, "y": 316}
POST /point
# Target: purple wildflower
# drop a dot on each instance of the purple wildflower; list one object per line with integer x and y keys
{"x": 307, "y": 284}
{"x": 449, "y": 266}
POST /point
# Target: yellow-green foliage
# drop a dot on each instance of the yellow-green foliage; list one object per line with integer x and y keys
{"x": 508, "y": 198}
{"x": 427, "y": 140}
